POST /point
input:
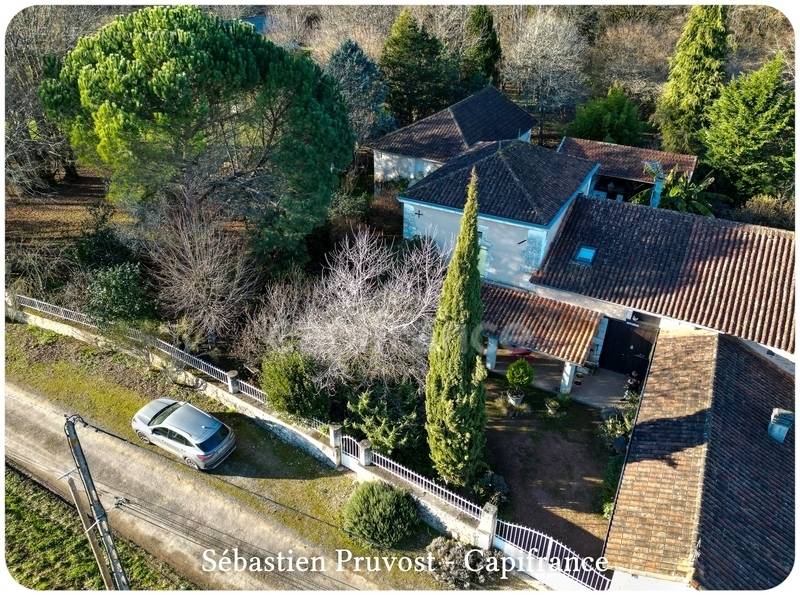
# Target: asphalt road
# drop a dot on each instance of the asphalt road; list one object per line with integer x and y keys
{"x": 151, "y": 500}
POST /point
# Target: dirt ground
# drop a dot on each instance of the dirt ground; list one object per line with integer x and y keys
{"x": 554, "y": 468}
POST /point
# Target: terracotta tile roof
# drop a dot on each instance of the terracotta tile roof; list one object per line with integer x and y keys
{"x": 728, "y": 276}
{"x": 487, "y": 115}
{"x": 516, "y": 180}
{"x": 622, "y": 161}
{"x": 524, "y": 319}
{"x": 706, "y": 496}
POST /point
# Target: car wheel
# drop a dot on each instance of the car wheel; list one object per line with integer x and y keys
{"x": 191, "y": 463}
{"x": 143, "y": 437}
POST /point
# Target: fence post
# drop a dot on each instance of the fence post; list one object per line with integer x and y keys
{"x": 233, "y": 383}
{"x": 337, "y": 456}
{"x": 487, "y": 525}
{"x": 335, "y": 435}
{"x": 365, "y": 453}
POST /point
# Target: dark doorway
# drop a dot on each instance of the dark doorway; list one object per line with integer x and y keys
{"x": 627, "y": 347}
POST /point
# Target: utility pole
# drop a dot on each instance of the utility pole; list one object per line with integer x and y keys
{"x": 111, "y": 567}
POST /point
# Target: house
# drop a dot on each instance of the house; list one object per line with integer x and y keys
{"x": 662, "y": 268}
{"x": 525, "y": 191}
{"x": 622, "y": 168}
{"x": 416, "y": 150}
{"x": 706, "y": 498}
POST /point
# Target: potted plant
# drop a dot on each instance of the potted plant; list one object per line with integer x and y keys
{"x": 519, "y": 375}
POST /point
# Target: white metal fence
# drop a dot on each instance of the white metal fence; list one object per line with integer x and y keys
{"x": 541, "y": 545}
{"x": 426, "y": 484}
{"x": 169, "y": 350}
{"x": 524, "y": 539}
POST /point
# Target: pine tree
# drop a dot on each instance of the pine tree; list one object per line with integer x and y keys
{"x": 362, "y": 88}
{"x": 455, "y": 399}
{"x": 418, "y": 74}
{"x": 613, "y": 119}
{"x": 750, "y": 137}
{"x": 696, "y": 77}
{"x": 483, "y": 56}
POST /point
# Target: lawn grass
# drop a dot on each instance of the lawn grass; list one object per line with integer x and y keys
{"x": 107, "y": 388}
{"x": 46, "y": 548}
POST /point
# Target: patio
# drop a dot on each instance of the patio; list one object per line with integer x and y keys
{"x": 602, "y": 389}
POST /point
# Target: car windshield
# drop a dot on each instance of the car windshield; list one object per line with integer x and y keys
{"x": 163, "y": 414}
{"x": 214, "y": 440}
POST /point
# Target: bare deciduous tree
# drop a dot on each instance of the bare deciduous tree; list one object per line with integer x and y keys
{"x": 202, "y": 272}
{"x": 367, "y": 25}
{"x": 634, "y": 53}
{"x": 275, "y": 320}
{"x": 546, "y": 62}
{"x": 373, "y": 311}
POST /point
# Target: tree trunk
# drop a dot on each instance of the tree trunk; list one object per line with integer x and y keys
{"x": 541, "y": 124}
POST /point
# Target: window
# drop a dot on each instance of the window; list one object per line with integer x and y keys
{"x": 214, "y": 440}
{"x": 585, "y": 254}
{"x": 163, "y": 414}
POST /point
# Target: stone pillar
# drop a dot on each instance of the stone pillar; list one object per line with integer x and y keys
{"x": 567, "y": 378}
{"x": 337, "y": 456}
{"x": 486, "y": 527}
{"x": 491, "y": 351}
{"x": 335, "y": 434}
{"x": 233, "y": 383}
{"x": 365, "y": 453}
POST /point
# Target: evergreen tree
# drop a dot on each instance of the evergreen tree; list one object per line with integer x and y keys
{"x": 613, "y": 119}
{"x": 750, "y": 137}
{"x": 696, "y": 77}
{"x": 362, "y": 89}
{"x": 169, "y": 94}
{"x": 482, "y": 58}
{"x": 418, "y": 75}
{"x": 454, "y": 392}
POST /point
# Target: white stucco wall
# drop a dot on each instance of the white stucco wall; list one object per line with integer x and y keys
{"x": 390, "y": 167}
{"x": 509, "y": 257}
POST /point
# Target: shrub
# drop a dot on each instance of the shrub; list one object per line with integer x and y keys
{"x": 389, "y": 416}
{"x": 767, "y": 210}
{"x": 608, "y": 489}
{"x": 99, "y": 245}
{"x": 519, "y": 375}
{"x": 379, "y": 514}
{"x": 450, "y": 564}
{"x": 613, "y": 118}
{"x": 117, "y": 293}
{"x": 492, "y": 488}
{"x": 287, "y": 377}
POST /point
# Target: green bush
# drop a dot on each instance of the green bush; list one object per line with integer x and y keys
{"x": 613, "y": 118}
{"x": 390, "y": 418}
{"x": 608, "y": 489}
{"x": 287, "y": 378}
{"x": 117, "y": 293}
{"x": 379, "y": 514}
{"x": 99, "y": 245}
{"x": 519, "y": 375}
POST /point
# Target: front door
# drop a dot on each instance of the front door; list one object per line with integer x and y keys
{"x": 627, "y": 347}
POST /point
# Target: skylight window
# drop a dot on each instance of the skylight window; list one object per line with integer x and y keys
{"x": 585, "y": 254}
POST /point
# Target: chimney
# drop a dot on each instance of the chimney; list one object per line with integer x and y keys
{"x": 779, "y": 424}
{"x": 654, "y": 168}
{"x": 658, "y": 187}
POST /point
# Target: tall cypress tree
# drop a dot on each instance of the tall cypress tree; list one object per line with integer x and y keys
{"x": 750, "y": 138}
{"x": 454, "y": 394}
{"x": 696, "y": 77}
{"x": 484, "y": 54}
{"x": 418, "y": 76}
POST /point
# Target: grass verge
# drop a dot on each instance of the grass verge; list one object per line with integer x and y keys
{"x": 46, "y": 548}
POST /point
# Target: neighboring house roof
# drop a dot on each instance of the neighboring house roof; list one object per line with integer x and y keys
{"x": 706, "y": 496}
{"x": 728, "y": 276}
{"x": 485, "y": 116}
{"x": 524, "y": 319}
{"x": 622, "y": 161}
{"x": 516, "y": 180}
